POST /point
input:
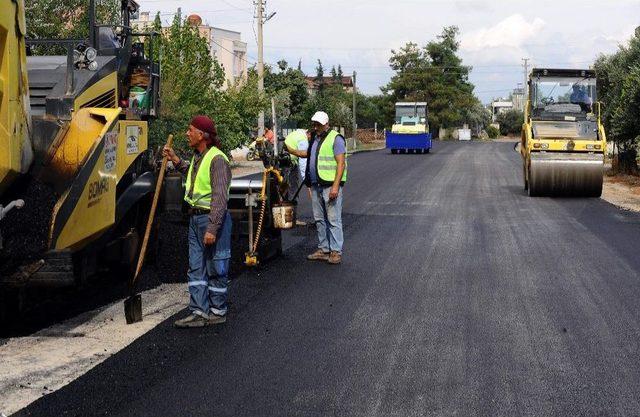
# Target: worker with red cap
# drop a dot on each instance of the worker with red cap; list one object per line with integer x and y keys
{"x": 207, "y": 192}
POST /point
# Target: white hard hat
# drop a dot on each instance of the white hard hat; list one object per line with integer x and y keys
{"x": 320, "y": 117}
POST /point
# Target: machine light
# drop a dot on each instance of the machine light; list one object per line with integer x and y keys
{"x": 93, "y": 65}
{"x": 536, "y": 145}
{"x": 545, "y": 146}
{"x": 90, "y": 54}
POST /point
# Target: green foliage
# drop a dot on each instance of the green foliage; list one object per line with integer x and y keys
{"x": 510, "y": 122}
{"x": 433, "y": 73}
{"x": 192, "y": 84}
{"x": 334, "y": 74}
{"x": 334, "y": 101}
{"x": 619, "y": 91}
{"x": 289, "y": 88}
{"x": 320, "y": 77}
{"x": 478, "y": 117}
{"x": 492, "y": 131}
{"x": 372, "y": 110}
{"x": 65, "y": 19}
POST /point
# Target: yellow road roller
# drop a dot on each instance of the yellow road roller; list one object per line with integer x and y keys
{"x": 563, "y": 140}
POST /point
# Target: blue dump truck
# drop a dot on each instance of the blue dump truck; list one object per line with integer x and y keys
{"x": 410, "y": 132}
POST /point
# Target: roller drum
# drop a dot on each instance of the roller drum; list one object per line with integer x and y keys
{"x": 566, "y": 174}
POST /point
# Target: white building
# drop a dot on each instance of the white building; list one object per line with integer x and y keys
{"x": 226, "y": 46}
{"x": 498, "y": 107}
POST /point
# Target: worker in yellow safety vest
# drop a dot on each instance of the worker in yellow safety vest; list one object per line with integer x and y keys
{"x": 207, "y": 193}
{"x": 299, "y": 141}
{"x": 326, "y": 174}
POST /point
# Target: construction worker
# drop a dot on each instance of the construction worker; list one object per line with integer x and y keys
{"x": 207, "y": 191}
{"x": 298, "y": 140}
{"x": 580, "y": 96}
{"x": 326, "y": 173}
{"x": 269, "y": 135}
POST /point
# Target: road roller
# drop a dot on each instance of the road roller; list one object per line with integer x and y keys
{"x": 563, "y": 140}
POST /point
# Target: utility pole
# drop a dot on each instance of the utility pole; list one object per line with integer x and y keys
{"x": 526, "y": 80}
{"x": 260, "y": 6}
{"x": 355, "y": 125}
{"x": 275, "y": 126}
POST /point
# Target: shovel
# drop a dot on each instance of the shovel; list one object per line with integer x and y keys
{"x": 133, "y": 304}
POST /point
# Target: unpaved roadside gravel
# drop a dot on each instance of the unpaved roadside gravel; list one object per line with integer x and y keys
{"x": 622, "y": 191}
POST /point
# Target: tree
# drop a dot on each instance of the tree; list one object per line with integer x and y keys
{"x": 339, "y": 74}
{"x": 510, "y": 122}
{"x": 290, "y": 88}
{"x": 372, "y": 110}
{"x": 478, "y": 117}
{"x": 334, "y": 74}
{"x": 619, "y": 91}
{"x": 320, "y": 77}
{"x": 191, "y": 84}
{"x": 65, "y": 19}
{"x": 433, "y": 73}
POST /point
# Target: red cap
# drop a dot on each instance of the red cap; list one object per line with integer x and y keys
{"x": 205, "y": 124}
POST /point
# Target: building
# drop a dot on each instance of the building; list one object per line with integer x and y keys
{"x": 226, "y": 46}
{"x": 517, "y": 98}
{"x": 313, "y": 83}
{"x": 500, "y": 106}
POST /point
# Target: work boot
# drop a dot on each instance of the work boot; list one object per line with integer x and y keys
{"x": 216, "y": 319}
{"x": 318, "y": 255}
{"x": 334, "y": 258}
{"x": 192, "y": 320}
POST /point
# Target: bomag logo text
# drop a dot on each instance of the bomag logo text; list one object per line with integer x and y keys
{"x": 96, "y": 189}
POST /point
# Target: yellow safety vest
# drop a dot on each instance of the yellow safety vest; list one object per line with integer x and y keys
{"x": 201, "y": 197}
{"x": 326, "y": 164}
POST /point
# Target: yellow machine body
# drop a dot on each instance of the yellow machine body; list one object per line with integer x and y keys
{"x": 15, "y": 147}
{"x": 419, "y": 128}
{"x": 76, "y": 161}
{"x": 88, "y": 206}
{"x": 563, "y": 143}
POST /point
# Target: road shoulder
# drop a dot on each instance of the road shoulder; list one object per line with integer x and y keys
{"x": 622, "y": 191}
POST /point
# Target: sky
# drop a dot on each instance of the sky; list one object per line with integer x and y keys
{"x": 495, "y": 35}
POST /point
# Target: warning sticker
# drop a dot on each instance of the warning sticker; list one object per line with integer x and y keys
{"x": 133, "y": 136}
{"x": 110, "y": 151}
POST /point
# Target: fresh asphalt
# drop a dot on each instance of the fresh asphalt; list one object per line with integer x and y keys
{"x": 458, "y": 295}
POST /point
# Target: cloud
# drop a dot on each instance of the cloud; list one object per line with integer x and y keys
{"x": 474, "y": 6}
{"x": 513, "y": 32}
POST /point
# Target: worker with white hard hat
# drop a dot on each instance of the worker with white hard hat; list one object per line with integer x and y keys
{"x": 326, "y": 174}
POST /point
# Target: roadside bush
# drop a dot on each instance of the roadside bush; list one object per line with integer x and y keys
{"x": 492, "y": 132}
{"x": 510, "y": 122}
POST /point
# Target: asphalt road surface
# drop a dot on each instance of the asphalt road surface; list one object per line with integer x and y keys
{"x": 458, "y": 295}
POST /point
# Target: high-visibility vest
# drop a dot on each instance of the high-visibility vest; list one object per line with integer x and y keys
{"x": 326, "y": 164}
{"x": 293, "y": 140}
{"x": 201, "y": 196}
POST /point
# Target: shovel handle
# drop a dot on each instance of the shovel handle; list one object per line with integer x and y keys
{"x": 152, "y": 214}
{"x": 298, "y": 190}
